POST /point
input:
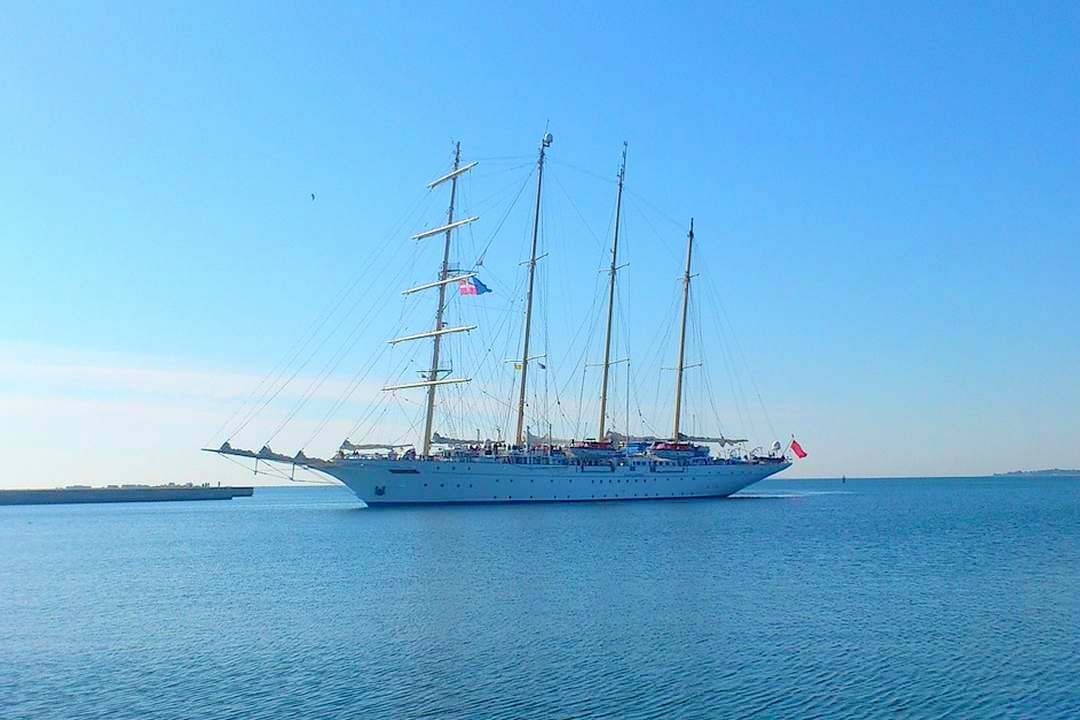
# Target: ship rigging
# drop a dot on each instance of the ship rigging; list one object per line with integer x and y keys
{"x": 445, "y": 469}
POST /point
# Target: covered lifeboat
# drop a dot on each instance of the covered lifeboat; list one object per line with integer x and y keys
{"x": 592, "y": 450}
{"x": 668, "y": 450}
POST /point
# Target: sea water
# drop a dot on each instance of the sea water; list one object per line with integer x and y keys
{"x": 906, "y": 597}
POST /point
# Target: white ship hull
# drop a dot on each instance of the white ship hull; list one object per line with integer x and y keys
{"x": 419, "y": 482}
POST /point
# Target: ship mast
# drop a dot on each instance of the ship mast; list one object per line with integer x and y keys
{"x": 611, "y": 298}
{"x": 520, "y": 434}
{"x": 680, "y": 365}
{"x": 431, "y": 378}
{"x": 437, "y": 340}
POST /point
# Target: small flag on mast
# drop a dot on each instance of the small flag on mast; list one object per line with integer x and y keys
{"x": 797, "y": 449}
{"x": 472, "y": 286}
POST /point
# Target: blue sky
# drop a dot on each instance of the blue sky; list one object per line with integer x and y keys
{"x": 885, "y": 198}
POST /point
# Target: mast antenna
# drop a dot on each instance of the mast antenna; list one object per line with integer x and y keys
{"x": 611, "y": 297}
{"x": 680, "y": 365}
{"x": 519, "y": 436}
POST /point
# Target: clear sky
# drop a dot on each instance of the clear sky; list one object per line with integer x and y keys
{"x": 887, "y": 201}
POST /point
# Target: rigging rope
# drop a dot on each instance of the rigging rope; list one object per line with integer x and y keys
{"x": 267, "y": 397}
{"x": 350, "y": 342}
{"x": 480, "y": 258}
{"x": 716, "y": 299}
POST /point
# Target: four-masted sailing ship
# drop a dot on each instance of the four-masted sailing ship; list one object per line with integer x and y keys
{"x": 531, "y": 468}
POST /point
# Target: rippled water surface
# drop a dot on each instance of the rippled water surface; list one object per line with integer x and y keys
{"x": 906, "y": 598}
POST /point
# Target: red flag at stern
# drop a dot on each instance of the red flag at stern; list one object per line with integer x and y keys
{"x": 797, "y": 449}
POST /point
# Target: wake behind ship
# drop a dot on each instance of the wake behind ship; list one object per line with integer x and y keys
{"x": 609, "y": 466}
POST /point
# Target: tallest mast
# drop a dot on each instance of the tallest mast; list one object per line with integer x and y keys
{"x": 444, "y": 271}
{"x": 680, "y": 365}
{"x": 611, "y": 298}
{"x": 519, "y": 435}
{"x": 443, "y": 275}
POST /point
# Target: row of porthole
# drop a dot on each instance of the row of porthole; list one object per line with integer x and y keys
{"x": 442, "y": 485}
{"x": 630, "y": 468}
{"x": 591, "y": 482}
{"x": 594, "y": 497}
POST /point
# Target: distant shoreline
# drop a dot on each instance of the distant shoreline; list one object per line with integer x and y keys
{"x": 1012, "y": 474}
{"x": 1051, "y": 472}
